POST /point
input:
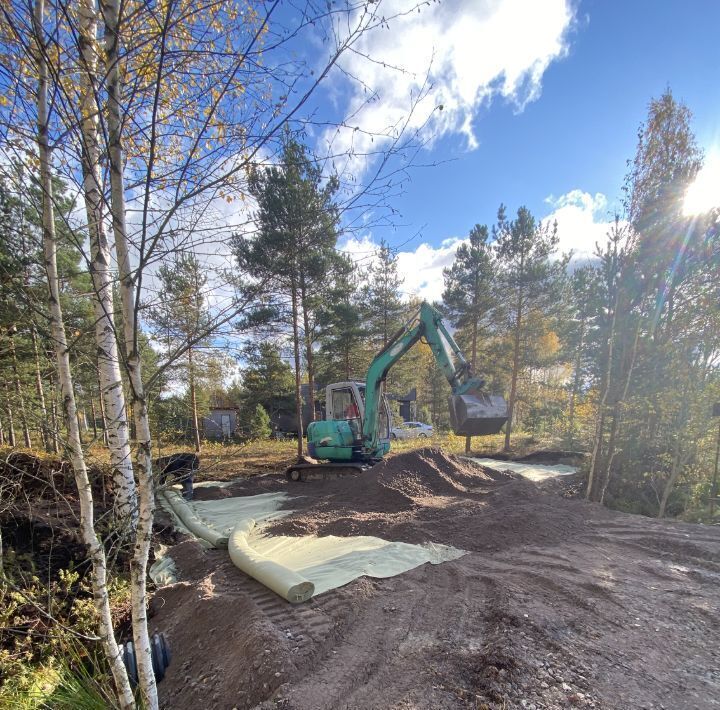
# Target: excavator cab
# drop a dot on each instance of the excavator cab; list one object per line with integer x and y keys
{"x": 346, "y": 400}
{"x": 340, "y": 436}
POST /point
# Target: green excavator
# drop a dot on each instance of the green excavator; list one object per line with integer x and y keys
{"x": 356, "y": 431}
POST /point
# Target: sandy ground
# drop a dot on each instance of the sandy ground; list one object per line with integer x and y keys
{"x": 560, "y": 603}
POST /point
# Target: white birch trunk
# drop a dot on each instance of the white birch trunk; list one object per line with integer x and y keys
{"x": 143, "y": 462}
{"x": 96, "y": 552}
{"x": 111, "y": 389}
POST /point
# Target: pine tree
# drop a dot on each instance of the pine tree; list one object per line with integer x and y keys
{"x": 181, "y": 318}
{"x": 470, "y": 298}
{"x": 382, "y": 300}
{"x": 344, "y": 348}
{"x": 528, "y": 280}
{"x": 297, "y": 233}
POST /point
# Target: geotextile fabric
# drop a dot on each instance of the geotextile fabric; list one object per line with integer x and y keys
{"x": 296, "y": 567}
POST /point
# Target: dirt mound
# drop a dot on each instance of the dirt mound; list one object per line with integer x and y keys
{"x": 398, "y": 490}
{"x": 559, "y": 603}
{"x": 430, "y": 472}
{"x": 33, "y": 474}
{"x": 43, "y": 476}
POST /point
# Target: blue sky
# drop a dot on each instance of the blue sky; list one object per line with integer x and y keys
{"x": 550, "y": 123}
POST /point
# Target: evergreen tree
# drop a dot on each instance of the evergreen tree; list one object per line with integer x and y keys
{"x": 345, "y": 351}
{"x": 297, "y": 232}
{"x": 470, "y": 297}
{"x": 267, "y": 381}
{"x": 656, "y": 370}
{"x": 528, "y": 280}
{"x": 260, "y": 424}
{"x": 382, "y": 301}
{"x": 181, "y": 318}
{"x": 579, "y": 336}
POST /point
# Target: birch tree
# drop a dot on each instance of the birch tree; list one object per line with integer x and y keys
{"x": 96, "y": 551}
{"x": 108, "y": 360}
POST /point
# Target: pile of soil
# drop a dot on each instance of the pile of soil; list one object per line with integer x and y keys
{"x": 559, "y": 603}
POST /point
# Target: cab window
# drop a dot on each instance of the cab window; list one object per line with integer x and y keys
{"x": 344, "y": 405}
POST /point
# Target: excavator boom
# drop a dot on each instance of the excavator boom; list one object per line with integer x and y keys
{"x": 351, "y": 435}
{"x": 471, "y": 411}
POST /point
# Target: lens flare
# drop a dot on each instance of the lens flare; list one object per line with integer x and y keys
{"x": 704, "y": 194}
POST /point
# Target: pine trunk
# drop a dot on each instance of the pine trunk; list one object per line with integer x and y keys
{"x": 12, "y": 441}
{"x": 55, "y": 427}
{"x": 618, "y": 411}
{"x": 94, "y": 418}
{"x": 575, "y": 386}
{"x": 473, "y": 362}
{"x": 193, "y": 402}
{"x": 298, "y": 383}
{"x": 308, "y": 352}
{"x": 590, "y": 492}
{"x": 515, "y": 372}
{"x": 96, "y": 551}
{"x": 19, "y": 395}
{"x": 674, "y": 474}
{"x": 45, "y": 426}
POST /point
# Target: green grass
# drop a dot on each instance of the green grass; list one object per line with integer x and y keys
{"x": 73, "y": 679}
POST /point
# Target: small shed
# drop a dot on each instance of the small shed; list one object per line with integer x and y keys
{"x": 220, "y": 423}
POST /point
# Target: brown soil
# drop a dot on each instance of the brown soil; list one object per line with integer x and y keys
{"x": 560, "y": 603}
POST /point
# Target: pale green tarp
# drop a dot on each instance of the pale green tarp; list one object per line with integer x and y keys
{"x": 332, "y": 561}
{"x": 294, "y": 567}
{"x": 163, "y": 571}
{"x": 531, "y": 471}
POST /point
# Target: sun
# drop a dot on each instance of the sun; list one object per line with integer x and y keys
{"x": 704, "y": 194}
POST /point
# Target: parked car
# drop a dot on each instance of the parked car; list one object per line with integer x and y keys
{"x": 411, "y": 430}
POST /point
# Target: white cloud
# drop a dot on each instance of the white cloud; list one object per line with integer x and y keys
{"x": 583, "y": 221}
{"x": 420, "y": 269}
{"x": 474, "y": 52}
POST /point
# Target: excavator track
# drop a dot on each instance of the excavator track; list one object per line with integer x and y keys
{"x": 323, "y": 471}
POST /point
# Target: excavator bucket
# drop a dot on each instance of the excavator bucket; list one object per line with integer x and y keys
{"x": 477, "y": 414}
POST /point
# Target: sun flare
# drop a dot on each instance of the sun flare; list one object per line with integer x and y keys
{"x": 704, "y": 194}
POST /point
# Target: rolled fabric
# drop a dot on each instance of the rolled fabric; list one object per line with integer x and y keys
{"x": 283, "y": 581}
{"x": 192, "y": 522}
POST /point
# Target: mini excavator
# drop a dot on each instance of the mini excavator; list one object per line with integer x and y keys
{"x": 356, "y": 431}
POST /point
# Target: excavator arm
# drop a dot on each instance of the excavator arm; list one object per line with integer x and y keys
{"x": 471, "y": 412}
